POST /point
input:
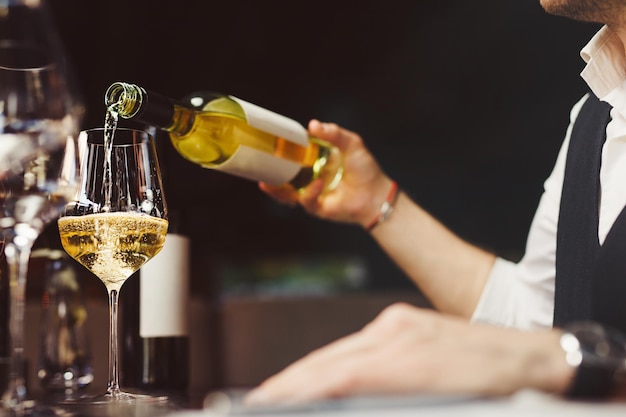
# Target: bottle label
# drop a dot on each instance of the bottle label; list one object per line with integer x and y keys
{"x": 164, "y": 290}
{"x": 274, "y": 123}
{"x": 256, "y": 165}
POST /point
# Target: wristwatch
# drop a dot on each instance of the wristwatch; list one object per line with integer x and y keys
{"x": 599, "y": 355}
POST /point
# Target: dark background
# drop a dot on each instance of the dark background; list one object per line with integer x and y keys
{"x": 464, "y": 103}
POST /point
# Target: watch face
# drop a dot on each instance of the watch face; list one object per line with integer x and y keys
{"x": 600, "y": 346}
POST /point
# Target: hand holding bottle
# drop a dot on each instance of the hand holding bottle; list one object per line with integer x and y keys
{"x": 358, "y": 196}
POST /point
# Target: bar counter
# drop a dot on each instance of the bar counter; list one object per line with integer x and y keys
{"x": 522, "y": 404}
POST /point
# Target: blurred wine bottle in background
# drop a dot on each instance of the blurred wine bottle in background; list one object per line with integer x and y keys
{"x": 4, "y": 325}
{"x": 155, "y": 334}
{"x": 65, "y": 362}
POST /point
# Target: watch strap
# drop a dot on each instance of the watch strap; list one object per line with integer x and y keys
{"x": 597, "y": 353}
{"x": 591, "y": 383}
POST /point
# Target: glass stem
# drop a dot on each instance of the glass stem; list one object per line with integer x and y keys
{"x": 17, "y": 261}
{"x": 114, "y": 383}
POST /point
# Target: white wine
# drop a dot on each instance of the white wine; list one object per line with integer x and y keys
{"x": 233, "y": 136}
{"x": 112, "y": 245}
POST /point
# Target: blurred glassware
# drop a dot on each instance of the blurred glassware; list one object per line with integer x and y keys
{"x": 40, "y": 112}
{"x": 65, "y": 352}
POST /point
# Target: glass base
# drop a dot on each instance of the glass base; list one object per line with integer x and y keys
{"x": 120, "y": 397}
{"x": 116, "y": 405}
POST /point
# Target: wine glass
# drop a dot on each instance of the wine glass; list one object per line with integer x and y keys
{"x": 118, "y": 222}
{"x": 39, "y": 116}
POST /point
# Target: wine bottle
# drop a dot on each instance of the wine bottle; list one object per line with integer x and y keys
{"x": 155, "y": 350}
{"x": 4, "y": 325}
{"x": 231, "y": 135}
{"x": 65, "y": 351}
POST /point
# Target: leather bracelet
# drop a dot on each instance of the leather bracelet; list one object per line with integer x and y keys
{"x": 386, "y": 208}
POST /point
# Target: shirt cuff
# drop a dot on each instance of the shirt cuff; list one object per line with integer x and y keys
{"x": 495, "y": 301}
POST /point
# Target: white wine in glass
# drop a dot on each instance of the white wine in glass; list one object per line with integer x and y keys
{"x": 117, "y": 223}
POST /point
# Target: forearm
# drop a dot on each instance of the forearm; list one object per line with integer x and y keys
{"x": 449, "y": 271}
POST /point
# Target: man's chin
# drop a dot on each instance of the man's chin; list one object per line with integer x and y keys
{"x": 593, "y": 11}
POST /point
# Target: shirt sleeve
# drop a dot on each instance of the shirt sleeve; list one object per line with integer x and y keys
{"x": 521, "y": 294}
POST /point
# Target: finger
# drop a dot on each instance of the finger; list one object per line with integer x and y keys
{"x": 308, "y": 197}
{"x": 282, "y": 194}
{"x": 316, "y": 376}
{"x": 331, "y": 132}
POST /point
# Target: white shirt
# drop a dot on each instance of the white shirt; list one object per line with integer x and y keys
{"x": 522, "y": 294}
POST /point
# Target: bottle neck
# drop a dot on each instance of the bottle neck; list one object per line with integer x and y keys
{"x": 136, "y": 103}
{"x": 182, "y": 120}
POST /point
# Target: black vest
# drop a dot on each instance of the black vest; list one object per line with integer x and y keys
{"x": 590, "y": 279}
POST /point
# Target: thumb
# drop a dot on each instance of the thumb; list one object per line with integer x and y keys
{"x": 333, "y": 133}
